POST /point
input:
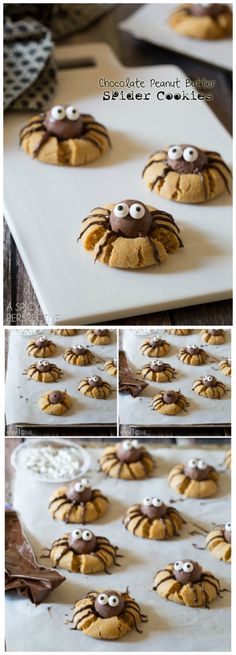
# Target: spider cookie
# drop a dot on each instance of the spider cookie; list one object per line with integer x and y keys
{"x": 185, "y": 582}
{"x": 209, "y": 387}
{"x": 95, "y": 387}
{"x": 41, "y": 347}
{"x": 170, "y": 402}
{"x": 111, "y": 367}
{"x": 196, "y": 479}
{"x": 158, "y": 371}
{"x": 78, "y": 503}
{"x": 55, "y": 402}
{"x": 155, "y": 347}
{"x": 99, "y": 337}
{"x": 43, "y": 371}
{"x": 81, "y": 551}
{"x": 63, "y": 136}
{"x": 202, "y": 21}
{"x": 225, "y": 366}
{"x": 127, "y": 460}
{"x": 130, "y": 234}
{"x": 78, "y": 356}
{"x": 152, "y": 519}
{"x": 180, "y": 332}
{"x": 218, "y": 541}
{"x": 187, "y": 174}
{"x": 65, "y": 332}
{"x": 193, "y": 355}
{"x": 213, "y": 337}
{"x": 107, "y": 614}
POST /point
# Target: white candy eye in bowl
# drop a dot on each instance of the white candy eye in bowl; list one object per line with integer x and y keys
{"x": 51, "y": 460}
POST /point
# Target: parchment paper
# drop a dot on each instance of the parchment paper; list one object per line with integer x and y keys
{"x": 202, "y": 411}
{"x": 171, "y": 627}
{"x": 22, "y": 395}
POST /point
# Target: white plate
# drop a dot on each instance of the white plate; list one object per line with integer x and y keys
{"x": 18, "y": 458}
{"x": 49, "y": 202}
{"x": 150, "y": 23}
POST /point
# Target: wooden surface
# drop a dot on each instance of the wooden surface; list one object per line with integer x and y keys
{"x": 20, "y": 303}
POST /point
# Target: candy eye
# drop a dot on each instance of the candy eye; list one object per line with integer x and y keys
{"x": 156, "y": 339}
{"x": 187, "y": 567}
{"x": 201, "y": 465}
{"x": 209, "y": 378}
{"x": 137, "y": 211}
{"x": 229, "y": 361}
{"x": 79, "y": 487}
{"x": 192, "y": 463}
{"x": 103, "y": 599}
{"x": 115, "y": 360}
{"x": 156, "y": 502}
{"x": 121, "y": 210}
{"x": 178, "y": 566}
{"x": 78, "y": 346}
{"x": 58, "y": 113}
{"x": 175, "y": 152}
{"x": 41, "y": 362}
{"x": 42, "y": 339}
{"x": 135, "y": 443}
{"x": 72, "y": 113}
{"x": 77, "y": 534}
{"x": 85, "y": 482}
{"x": 113, "y": 601}
{"x": 45, "y": 363}
{"x": 147, "y": 501}
{"x": 228, "y": 526}
{"x": 127, "y": 445}
{"x": 87, "y": 535}
{"x": 190, "y": 154}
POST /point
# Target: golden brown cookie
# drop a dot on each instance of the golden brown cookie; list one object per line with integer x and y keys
{"x": 78, "y": 355}
{"x": 78, "y": 503}
{"x": 170, "y": 402}
{"x": 209, "y": 387}
{"x": 180, "y": 332}
{"x": 225, "y": 366}
{"x": 188, "y": 174}
{"x": 111, "y": 367}
{"x": 193, "y": 355}
{"x": 155, "y": 347}
{"x": 43, "y": 371}
{"x": 158, "y": 371}
{"x": 227, "y": 460}
{"x": 202, "y": 21}
{"x": 213, "y": 337}
{"x": 107, "y": 614}
{"x": 64, "y": 332}
{"x": 63, "y": 136}
{"x": 196, "y": 479}
{"x": 99, "y": 337}
{"x": 218, "y": 541}
{"x": 185, "y": 582}
{"x": 55, "y": 402}
{"x": 127, "y": 460}
{"x": 81, "y": 551}
{"x": 152, "y": 519}
{"x": 130, "y": 234}
{"x": 41, "y": 347}
{"x": 95, "y": 387}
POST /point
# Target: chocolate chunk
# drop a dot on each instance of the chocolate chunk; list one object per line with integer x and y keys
{"x": 128, "y": 383}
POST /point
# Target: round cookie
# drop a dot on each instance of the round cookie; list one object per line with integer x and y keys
{"x": 65, "y": 332}
{"x": 196, "y": 479}
{"x": 43, "y": 371}
{"x": 169, "y": 402}
{"x": 193, "y": 355}
{"x": 95, "y": 387}
{"x": 179, "y": 332}
{"x": 99, "y": 337}
{"x": 213, "y": 337}
{"x": 78, "y": 503}
{"x": 127, "y": 460}
{"x": 41, "y": 347}
{"x": 63, "y": 136}
{"x": 107, "y": 614}
{"x": 227, "y": 460}
{"x": 111, "y": 367}
{"x": 202, "y": 21}
{"x": 209, "y": 387}
{"x": 55, "y": 402}
{"x": 225, "y": 366}
{"x": 130, "y": 234}
{"x": 155, "y": 347}
{"x": 81, "y": 551}
{"x": 218, "y": 541}
{"x": 78, "y": 355}
{"x": 185, "y": 582}
{"x": 187, "y": 174}
{"x": 152, "y": 519}
{"x": 158, "y": 371}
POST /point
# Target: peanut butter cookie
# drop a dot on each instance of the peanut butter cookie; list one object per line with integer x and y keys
{"x": 55, "y": 402}
{"x": 202, "y": 21}
{"x": 196, "y": 479}
{"x": 78, "y": 356}
{"x": 218, "y": 541}
{"x": 111, "y": 367}
{"x": 78, "y": 503}
{"x": 155, "y": 347}
{"x": 152, "y": 519}
{"x": 185, "y": 582}
{"x": 99, "y": 337}
{"x": 158, "y": 371}
{"x": 180, "y": 332}
{"x": 225, "y": 366}
{"x": 43, "y": 371}
{"x": 213, "y": 337}
{"x": 81, "y": 551}
{"x": 170, "y": 402}
{"x": 107, "y": 614}
{"x": 95, "y": 387}
{"x": 127, "y": 460}
{"x": 64, "y": 332}
{"x": 209, "y": 387}
{"x": 193, "y": 355}
{"x": 41, "y": 347}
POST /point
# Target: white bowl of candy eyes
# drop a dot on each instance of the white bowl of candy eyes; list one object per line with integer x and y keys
{"x": 51, "y": 460}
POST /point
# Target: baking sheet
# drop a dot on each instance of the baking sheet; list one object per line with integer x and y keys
{"x": 22, "y": 395}
{"x": 71, "y": 289}
{"x": 171, "y": 627}
{"x": 202, "y": 411}
{"x": 151, "y": 24}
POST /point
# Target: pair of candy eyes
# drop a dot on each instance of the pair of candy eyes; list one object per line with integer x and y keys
{"x": 207, "y": 378}
{"x": 197, "y": 464}
{"x": 43, "y": 362}
{"x": 123, "y": 210}
{"x": 81, "y": 486}
{"x": 59, "y": 112}
{"x": 94, "y": 378}
{"x": 192, "y": 345}
{"x": 85, "y": 535}
{"x": 103, "y": 599}
{"x": 188, "y": 154}
{"x": 130, "y": 443}
{"x": 186, "y": 567}
{"x": 155, "y": 502}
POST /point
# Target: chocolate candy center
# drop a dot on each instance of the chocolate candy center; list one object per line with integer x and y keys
{"x": 129, "y": 226}
{"x": 43, "y": 368}
{"x": 211, "y": 9}
{"x": 157, "y": 366}
{"x": 195, "y": 473}
{"x": 106, "y": 611}
{"x": 216, "y": 333}
{"x": 79, "y": 350}
{"x": 156, "y": 341}
{"x": 193, "y": 350}
{"x": 40, "y": 343}
{"x": 80, "y": 545}
{"x": 101, "y": 333}
{"x": 154, "y": 512}
{"x": 55, "y": 397}
{"x": 79, "y": 496}
{"x": 95, "y": 382}
{"x": 183, "y": 166}
{"x": 209, "y": 382}
{"x": 170, "y": 396}
{"x": 129, "y": 456}
{"x": 186, "y": 577}
{"x": 63, "y": 129}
